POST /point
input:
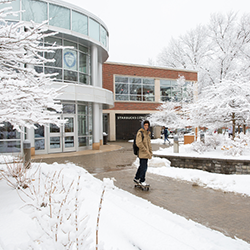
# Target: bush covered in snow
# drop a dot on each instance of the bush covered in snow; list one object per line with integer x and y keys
{"x": 234, "y": 147}
{"x": 237, "y": 146}
{"x": 211, "y": 142}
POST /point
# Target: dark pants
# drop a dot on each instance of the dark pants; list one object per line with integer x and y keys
{"x": 141, "y": 171}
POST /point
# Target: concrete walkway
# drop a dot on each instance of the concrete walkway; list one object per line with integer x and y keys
{"x": 225, "y": 212}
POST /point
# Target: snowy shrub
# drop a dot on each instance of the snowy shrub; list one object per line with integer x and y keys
{"x": 237, "y": 146}
{"x": 107, "y": 184}
{"x": 16, "y": 174}
{"x": 211, "y": 142}
{"x": 57, "y": 208}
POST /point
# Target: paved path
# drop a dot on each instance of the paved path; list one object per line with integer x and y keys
{"x": 225, "y": 212}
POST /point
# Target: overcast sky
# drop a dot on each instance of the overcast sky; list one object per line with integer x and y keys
{"x": 140, "y": 29}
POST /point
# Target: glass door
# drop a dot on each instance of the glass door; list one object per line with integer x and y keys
{"x": 69, "y": 143}
{"x": 62, "y": 139}
{"x": 55, "y": 140}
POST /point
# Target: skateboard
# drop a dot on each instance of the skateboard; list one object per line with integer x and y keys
{"x": 144, "y": 188}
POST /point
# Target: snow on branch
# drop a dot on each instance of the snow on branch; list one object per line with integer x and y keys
{"x": 26, "y": 96}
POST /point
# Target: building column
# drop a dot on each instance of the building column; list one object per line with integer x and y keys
{"x": 96, "y": 106}
{"x": 96, "y": 126}
{"x": 100, "y": 74}
{"x": 112, "y": 126}
{"x": 157, "y": 90}
{"x": 94, "y": 65}
{"x": 101, "y": 125}
{"x": 31, "y": 138}
{"x": 100, "y": 113}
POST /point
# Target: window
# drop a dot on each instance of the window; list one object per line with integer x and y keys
{"x": 60, "y": 16}
{"x": 165, "y": 90}
{"x": 79, "y": 23}
{"x": 94, "y": 31}
{"x": 69, "y": 65}
{"x": 10, "y": 139}
{"x": 15, "y": 7}
{"x": 170, "y": 91}
{"x": 56, "y": 54}
{"x": 103, "y": 36}
{"x": 134, "y": 89}
{"x": 70, "y": 59}
{"x": 39, "y": 137}
{"x": 84, "y": 125}
{"x": 34, "y": 10}
{"x": 69, "y": 108}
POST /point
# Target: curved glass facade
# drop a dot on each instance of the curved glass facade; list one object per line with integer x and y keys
{"x": 61, "y": 16}
{"x": 85, "y": 39}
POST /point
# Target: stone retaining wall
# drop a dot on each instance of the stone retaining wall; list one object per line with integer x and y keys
{"x": 213, "y": 165}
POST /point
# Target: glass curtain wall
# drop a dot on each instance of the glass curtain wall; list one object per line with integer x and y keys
{"x": 59, "y": 16}
{"x": 70, "y": 65}
{"x": 81, "y": 114}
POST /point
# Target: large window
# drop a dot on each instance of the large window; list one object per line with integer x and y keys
{"x": 134, "y": 89}
{"x": 170, "y": 91}
{"x": 70, "y": 64}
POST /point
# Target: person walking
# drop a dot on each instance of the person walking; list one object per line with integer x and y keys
{"x": 143, "y": 142}
{"x": 166, "y": 133}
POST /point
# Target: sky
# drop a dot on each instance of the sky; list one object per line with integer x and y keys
{"x": 140, "y": 29}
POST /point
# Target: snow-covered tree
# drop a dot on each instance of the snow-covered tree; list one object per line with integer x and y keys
{"x": 184, "y": 90}
{"x": 188, "y": 51}
{"x": 214, "y": 50}
{"x": 174, "y": 113}
{"x": 223, "y": 104}
{"x": 170, "y": 114}
{"x": 26, "y": 97}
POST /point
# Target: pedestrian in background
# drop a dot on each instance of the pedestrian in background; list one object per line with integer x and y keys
{"x": 166, "y": 134}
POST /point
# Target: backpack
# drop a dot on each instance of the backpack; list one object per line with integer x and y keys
{"x": 168, "y": 132}
{"x": 135, "y": 148}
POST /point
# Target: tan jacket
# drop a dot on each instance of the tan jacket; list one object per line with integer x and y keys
{"x": 145, "y": 149}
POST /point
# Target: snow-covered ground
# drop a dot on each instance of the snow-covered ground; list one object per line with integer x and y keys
{"x": 126, "y": 221}
{"x": 225, "y": 148}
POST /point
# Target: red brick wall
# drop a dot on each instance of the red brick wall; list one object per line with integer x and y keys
{"x": 133, "y": 70}
{"x": 110, "y": 69}
{"x": 135, "y": 106}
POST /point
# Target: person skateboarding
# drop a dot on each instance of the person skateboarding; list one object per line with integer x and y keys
{"x": 143, "y": 142}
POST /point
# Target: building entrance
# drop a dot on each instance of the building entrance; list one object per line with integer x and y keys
{"x": 62, "y": 139}
{"x": 127, "y": 125}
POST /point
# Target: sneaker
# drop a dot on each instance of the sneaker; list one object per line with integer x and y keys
{"x": 137, "y": 180}
{"x": 144, "y": 184}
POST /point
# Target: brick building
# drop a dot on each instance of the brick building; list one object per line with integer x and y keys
{"x": 138, "y": 91}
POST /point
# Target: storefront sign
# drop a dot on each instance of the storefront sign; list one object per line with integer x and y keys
{"x": 130, "y": 117}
